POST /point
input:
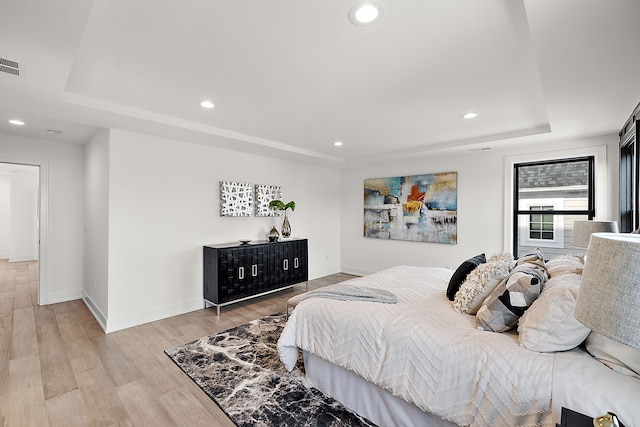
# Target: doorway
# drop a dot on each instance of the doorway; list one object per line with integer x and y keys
{"x": 23, "y": 213}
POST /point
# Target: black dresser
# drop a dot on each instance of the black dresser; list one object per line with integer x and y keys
{"x": 236, "y": 272}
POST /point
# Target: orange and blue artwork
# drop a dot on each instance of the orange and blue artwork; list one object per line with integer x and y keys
{"x": 421, "y": 208}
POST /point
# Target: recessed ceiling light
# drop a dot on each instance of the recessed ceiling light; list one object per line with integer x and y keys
{"x": 470, "y": 115}
{"x": 338, "y": 143}
{"x": 366, "y": 13}
{"x": 54, "y": 131}
{"x": 16, "y": 122}
{"x": 207, "y": 104}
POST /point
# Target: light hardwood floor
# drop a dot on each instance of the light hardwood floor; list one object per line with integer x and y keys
{"x": 58, "y": 368}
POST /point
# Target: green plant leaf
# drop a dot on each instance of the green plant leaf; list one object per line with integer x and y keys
{"x": 279, "y": 204}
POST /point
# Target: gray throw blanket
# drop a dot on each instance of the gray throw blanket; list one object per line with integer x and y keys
{"x": 347, "y": 292}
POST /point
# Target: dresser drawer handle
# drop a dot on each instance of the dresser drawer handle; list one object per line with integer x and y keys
{"x": 241, "y": 273}
{"x": 254, "y": 270}
{"x": 295, "y": 263}
{"x": 285, "y": 264}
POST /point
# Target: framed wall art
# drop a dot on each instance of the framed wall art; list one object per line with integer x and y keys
{"x": 265, "y": 194}
{"x": 421, "y": 208}
{"x": 236, "y": 198}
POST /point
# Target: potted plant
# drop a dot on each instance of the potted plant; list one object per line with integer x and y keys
{"x": 281, "y": 206}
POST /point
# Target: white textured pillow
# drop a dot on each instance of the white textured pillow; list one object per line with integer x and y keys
{"x": 565, "y": 264}
{"x": 481, "y": 282}
{"x": 549, "y": 325}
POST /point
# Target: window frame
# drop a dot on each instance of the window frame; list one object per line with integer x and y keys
{"x": 517, "y": 211}
{"x": 628, "y": 187}
{"x": 603, "y": 198}
{"x": 629, "y": 162}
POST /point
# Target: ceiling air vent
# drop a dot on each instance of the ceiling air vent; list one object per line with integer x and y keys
{"x": 10, "y": 67}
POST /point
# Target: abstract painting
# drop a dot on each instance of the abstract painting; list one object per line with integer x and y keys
{"x": 421, "y": 208}
{"x": 265, "y": 194}
{"x": 236, "y": 198}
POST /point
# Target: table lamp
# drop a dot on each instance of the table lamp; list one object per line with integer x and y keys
{"x": 609, "y": 299}
{"x": 582, "y": 231}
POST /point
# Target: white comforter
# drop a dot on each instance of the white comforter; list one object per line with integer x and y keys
{"x": 423, "y": 351}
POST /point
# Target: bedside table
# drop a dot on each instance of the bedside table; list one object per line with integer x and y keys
{"x": 575, "y": 419}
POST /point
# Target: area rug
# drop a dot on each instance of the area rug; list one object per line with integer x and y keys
{"x": 241, "y": 371}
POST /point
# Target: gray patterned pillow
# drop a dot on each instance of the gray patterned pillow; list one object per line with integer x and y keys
{"x": 508, "y": 302}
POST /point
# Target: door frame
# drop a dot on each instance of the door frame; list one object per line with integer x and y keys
{"x": 43, "y": 221}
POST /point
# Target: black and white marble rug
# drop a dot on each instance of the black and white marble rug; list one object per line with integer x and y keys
{"x": 241, "y": 371}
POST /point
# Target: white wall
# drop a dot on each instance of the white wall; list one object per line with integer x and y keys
{"x": 481, "y": 212}
{"x": 24, "y": 215}
{"x": 96, "y": 223}
{"x": 63, "y": 167}
{"x": 164, "y": 206}
{"x": 5, "y": 214}
{"x": 152, "y": 203}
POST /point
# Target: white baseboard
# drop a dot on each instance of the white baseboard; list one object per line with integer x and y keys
{"x": 154, "y": 314}
{"x": 357, "y": 271}
{"x": 93, "y": 308}
{"x": 128, "y": 321}
{"x": 63, "y": 296}
{"x": 23, "y": 258}
{"x": 323, "y": 272}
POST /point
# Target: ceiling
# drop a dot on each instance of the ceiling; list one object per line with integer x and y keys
{"x": 291, "y": 77}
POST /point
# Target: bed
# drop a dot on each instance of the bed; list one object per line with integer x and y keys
{"x": 420, "y": 362}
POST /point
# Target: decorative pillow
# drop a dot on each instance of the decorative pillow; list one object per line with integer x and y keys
{"x": 535, "y": 257}
{"x": 620, "y": 357}
{"x": 503, "y": 257}
{"x": 461, "y": 274}
{"x": 549, "y": 324}
{"x": 509, "y": 300}
{"x": 565, "y": 264}
{"x": 481, "y": 281}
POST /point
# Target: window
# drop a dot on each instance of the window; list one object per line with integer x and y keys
{"x": 629, "y": 173}
{"x": 540, "y": 228}
{"x": 628, "y": 188}
{"x": 548, "y": 196}
{"x": 541, "y": 224}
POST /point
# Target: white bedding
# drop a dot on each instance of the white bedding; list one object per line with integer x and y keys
{"x": 426, "y": 353}
{"x": 585, "y": 385}
{"x": 367, "y": 399}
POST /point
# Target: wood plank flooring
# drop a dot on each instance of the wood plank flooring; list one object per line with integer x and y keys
{"x": 58, "y": 368}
